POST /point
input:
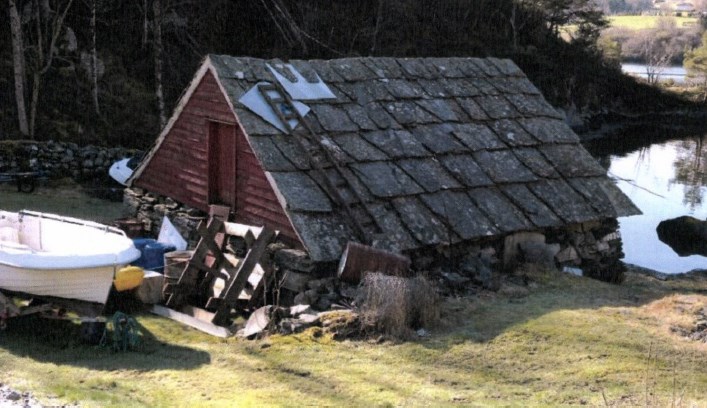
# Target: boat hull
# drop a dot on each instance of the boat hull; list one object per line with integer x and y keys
{"x": 86, "y": 284}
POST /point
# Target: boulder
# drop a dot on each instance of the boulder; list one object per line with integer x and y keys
{"x": 685, "y": 235}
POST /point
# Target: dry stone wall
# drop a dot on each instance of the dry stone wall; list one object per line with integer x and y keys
{"x": 58, "y": 159}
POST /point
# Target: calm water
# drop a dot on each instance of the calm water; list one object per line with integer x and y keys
{"x": 665, "y": 180}
{"x": 677, "y": 73}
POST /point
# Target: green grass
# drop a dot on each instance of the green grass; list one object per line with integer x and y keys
{"x": 63, "y": 198}
{"x": 567, "y": 343}
{"x": 642, "y": 22}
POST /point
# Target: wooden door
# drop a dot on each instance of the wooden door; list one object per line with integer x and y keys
{"x": 222, "y": 164}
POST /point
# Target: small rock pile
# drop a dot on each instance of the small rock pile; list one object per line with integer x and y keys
{"x": 10, "y": 398}
{"x": 699, "y": 332}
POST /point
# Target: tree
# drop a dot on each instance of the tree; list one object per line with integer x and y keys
{"x": 696, "y": 64}
{"x": 45, "y": 26}
{"x": 158, "y": 50}
{"x": 18, "y": 64}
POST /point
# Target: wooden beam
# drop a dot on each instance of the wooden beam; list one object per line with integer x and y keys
{"x": 238, "y": 282}
{"x": 191, "y": 321}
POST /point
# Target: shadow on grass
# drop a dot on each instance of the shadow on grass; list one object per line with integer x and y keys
{"x": 60, "y": 342}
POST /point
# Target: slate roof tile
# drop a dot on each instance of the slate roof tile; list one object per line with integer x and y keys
{"x": 228, "y": 67}
{"x": 358, "y": 148}
{"x": 287, "y": 146}
{"x": 571, "y": 161}
{"x": 438, "y": 138}
{"x": 360, "y": 117}
{"x": 524, "y": 85}
{"x": 484, "y": 86}
{"x": 397, "y": 143}
{"x": 413, "y": 68}
{"x": 306, "y": 69}
{"x": 497, "y": 107}
{"x": 234, "y": 88}
{"x": 563, "y": 200}
{"x": 333, "y": 118}
{"x": 604, "y": 196}
{"x": 467, "y": 66}
{"x": 506, "y": 66}
{"x": 433, "y": 88}
{"x": 533, "y": 105}
{"x": 256, "y": 125}
{"x": 365, "y": 92}
{"x": 326, "y": 71}
{"x": 409, "y": 113}
{"x": 460, "y": 214}
{"x": 549, "y": 130}
{"x": 510, "y": 132}
{"x": 429, "y": 174}
{"x": 502, "y": 166}
{"x": 446, "y": 67}
{"x": 595, "y": 196}
{"x": 460, "y": 87}
{"x": 385, "y": 179}
{"x": 622, "y": 204}
{"x": 349, "y": 186}
{"x": 380, "y": 116}
{"x": 536, "y": 162}
{"x": 387, "y": 65}
{"x": 404, "y": 89}
{"x": 505, "y": 216}
{"x": 487, "y": 67}
{"x": 443, "y": 109}
{"x": 534, "y": 209}
{"x": 421, "y": 223}
{"x": 270, "y": 156}
{"x": 300, "y": 193}
{"x": 352, "y": 69}
{"x": 477, "y": 136}
{"x": 395, "y": 236}
{"x": 472, "y": 109}
{"x": 465, "y": 169}
{"x": 324, "y": 235}
{"x": 371, "y": 64}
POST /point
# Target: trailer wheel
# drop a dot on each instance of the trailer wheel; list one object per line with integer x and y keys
{"x": 25, "y": 184}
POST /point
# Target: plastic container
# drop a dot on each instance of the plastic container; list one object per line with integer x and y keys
{"x": 152, "y": 257}
{"x": 128, "y": 278}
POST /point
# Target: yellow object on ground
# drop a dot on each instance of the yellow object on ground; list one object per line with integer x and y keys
{"x": 128, "y": 278}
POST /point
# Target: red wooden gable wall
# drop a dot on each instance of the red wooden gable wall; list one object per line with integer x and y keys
{"x": 181, "y": 166}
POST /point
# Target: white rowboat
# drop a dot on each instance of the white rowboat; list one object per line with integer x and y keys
{"x": 50, "y": 255}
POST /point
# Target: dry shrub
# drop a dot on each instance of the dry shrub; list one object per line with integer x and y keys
{"x": 396, "y": 305}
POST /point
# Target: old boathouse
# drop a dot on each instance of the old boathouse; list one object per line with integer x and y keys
{"x": 404, "y": 154}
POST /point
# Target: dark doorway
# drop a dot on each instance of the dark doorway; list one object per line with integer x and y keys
{"x": 222, "y": 164}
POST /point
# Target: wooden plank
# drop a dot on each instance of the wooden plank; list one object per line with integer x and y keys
{"x": 240, "y": 230}
{"x": 240, "y": 278}
{"x": 191, "y": 321}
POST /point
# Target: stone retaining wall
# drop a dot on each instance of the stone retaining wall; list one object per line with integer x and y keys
{"x": 59, "y": 159}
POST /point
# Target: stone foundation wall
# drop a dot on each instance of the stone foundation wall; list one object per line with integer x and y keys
{"x": 151, "y": 208}
{"x": 594, "y": 247}
{"x": 59, "y": 159}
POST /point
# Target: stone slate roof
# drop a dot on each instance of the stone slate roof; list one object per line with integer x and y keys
{"x": 444, "y": 149}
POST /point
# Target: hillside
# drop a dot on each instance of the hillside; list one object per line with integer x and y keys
{"x": 157, "y": 45}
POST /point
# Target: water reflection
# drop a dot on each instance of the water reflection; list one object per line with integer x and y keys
{"x": 690, "y": 171}
{"x": 665, "y": 180}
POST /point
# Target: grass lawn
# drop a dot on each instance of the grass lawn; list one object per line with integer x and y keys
{"x": 641, "y": 22}
{"x": 568, "y": 341}
{"x": 60, "y": 197}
